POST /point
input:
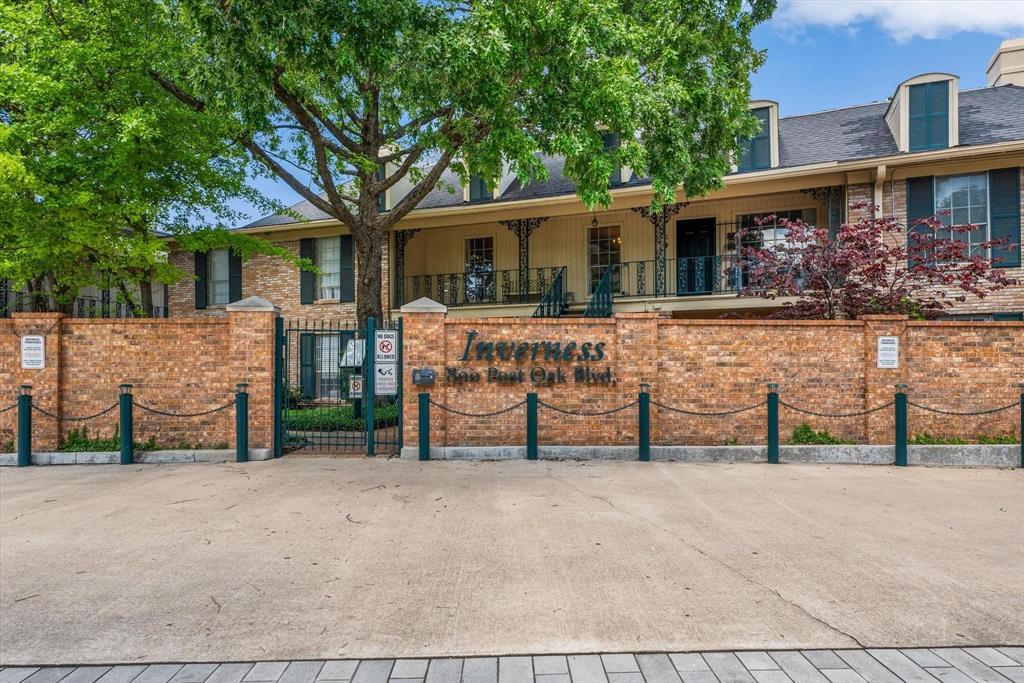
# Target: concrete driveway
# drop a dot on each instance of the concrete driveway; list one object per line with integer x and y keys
{"x": 323, "y": 558}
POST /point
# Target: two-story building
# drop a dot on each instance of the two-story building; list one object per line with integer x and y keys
{"x": 931, "y": 149}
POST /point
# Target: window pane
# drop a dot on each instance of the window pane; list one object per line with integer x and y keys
{"x": 963, "y": 200}
{"x": 328, "y": 260}
{"x": 219, "y": 277}
{"x": 604, "y": 246}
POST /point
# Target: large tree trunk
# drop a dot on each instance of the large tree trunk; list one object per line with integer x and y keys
{"x": 369, "y": 252}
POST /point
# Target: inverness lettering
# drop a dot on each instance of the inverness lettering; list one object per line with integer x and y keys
{"x": 521, "y": 352}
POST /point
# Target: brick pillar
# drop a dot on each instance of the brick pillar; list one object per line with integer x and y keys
{"x": 251, "y": 324}
{"x": 636, "y": 360}
{"x": 46, "y": 383}
{"x": 423, "y": 346}
{"x": 879, "y": 384}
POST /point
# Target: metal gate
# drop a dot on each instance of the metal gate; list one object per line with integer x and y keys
{"x": 339, "y": 387}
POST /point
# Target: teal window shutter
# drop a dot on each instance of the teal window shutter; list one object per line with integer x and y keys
{"x": 920, "y": 203}
{"x": 307, "y": 365}
{"x": 234, "y": 277}
{"x": 1004, "y": 214}
{"x": 756, "y": 152}
{"x": 202, "y": 279}
{"x": 477, "y": 188}
{"x": 307, "y": 280}
{"x": 929, "y": 116}
{"x": 347, "y": 269}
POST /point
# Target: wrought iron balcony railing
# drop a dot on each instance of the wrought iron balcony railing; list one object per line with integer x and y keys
{"x": 482, "y": 287}
{"x": 690, "y": 276}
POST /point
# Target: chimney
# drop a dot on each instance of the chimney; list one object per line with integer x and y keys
{"x": 1007, "y": 64}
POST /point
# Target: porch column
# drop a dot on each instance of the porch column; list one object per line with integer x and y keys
{"x": 402, "y": 238}
{"x": 833, "y": 197}
{"x": 660, "y": 219}
{"x": 523, "y": 228}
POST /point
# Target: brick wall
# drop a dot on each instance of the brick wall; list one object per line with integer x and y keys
{"x": 177, "y": 365}
{"x": 273, "y": 279}
{"x": 717, "y": 365}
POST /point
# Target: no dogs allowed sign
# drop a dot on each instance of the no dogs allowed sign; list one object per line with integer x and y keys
{"x": 385, "y": 346}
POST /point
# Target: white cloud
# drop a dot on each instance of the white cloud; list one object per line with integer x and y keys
{"x": 906, "y": 19}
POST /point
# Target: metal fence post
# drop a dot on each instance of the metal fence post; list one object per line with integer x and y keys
{"x": 773, "y": 423}
{"x": 531, "y": 426}
{"x": 242, "y": 422}
{"x": 1021, "y": 385}
{"x": 279, "y": 397}
{"x": 901, "y": 425}
{"x": 424, "y": 427}
{"x": 369, "y": 391}
{"x": 645, "y": 422}
{"x": 25, "y": 425}
{"x": 127, "y": 431}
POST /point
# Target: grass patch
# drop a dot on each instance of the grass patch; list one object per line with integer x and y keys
{"x": 338, "y": 418}
{"x": 805, "y": 435}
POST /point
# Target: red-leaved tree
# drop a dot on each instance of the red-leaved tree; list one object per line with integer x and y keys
{"x": 870, "y": 266}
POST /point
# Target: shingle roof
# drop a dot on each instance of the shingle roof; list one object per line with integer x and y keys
{"x": 987, "y": 115}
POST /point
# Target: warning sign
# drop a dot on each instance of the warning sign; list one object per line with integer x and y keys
{"x": 385, "y": 382}
{"x": 385, "y": 346}
{"x": 355, "y": 386}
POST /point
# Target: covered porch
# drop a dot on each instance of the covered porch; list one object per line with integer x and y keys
{"x": 680, "y": 257}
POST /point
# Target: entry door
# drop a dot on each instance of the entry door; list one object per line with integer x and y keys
{"x": 695, "y": 256}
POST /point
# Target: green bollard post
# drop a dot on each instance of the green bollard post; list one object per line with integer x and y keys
{"x": 24, "y": 425}
{"x": 242, "y": 422}
{"x": 901, "y": 425}
{"x": 773, "y": 423}
{"x": 369, "y": 391}
{"x": 1021, "y": 385}
{"x": 127, "y": 432}
{"x": 645, "y": 422}
{"x": 531, "y": 426}
{"x": 424, "y": 427}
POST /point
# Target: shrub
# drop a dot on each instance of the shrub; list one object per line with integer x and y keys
{"x": 926, "y": 439}
{"x": 804, "y": 434}
{"x": 79, "y": 441}
{"x": 338, "y": 418}
{"x": 999, "y": 440}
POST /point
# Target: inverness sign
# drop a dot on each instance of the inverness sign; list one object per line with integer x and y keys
{"x": 540, "y": 362}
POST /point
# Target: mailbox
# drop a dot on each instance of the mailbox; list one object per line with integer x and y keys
{"x": 423, "y": 376}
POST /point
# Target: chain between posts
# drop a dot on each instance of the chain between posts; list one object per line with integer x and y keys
{"x": 10, "y": 407}
{"x": 713, "y": 413}
{"x": 584, "y": 413}
{"x": 66, "y": 418}
{"x": 965, "y": 413}
{"x": 167, "y": 413}
{"x": 858, "y": 413}
{"x": 462, "y": 413}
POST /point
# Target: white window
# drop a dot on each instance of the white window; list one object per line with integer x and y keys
{"x": 328, "y": 260}
{"x": 220, "y": 277}
{"x": 963, "y": 200}
{"x": 604, "y": 250}
{"x": 766, "y": 231}
{"x": 328, "y": 376}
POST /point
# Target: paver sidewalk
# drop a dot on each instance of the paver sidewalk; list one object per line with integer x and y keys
{"x": 979, "y": 664}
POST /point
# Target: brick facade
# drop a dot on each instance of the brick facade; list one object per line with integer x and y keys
{"x": 275, "y": 280}
{"x": 717, "y": 365}
{"x": 177, "y": 365}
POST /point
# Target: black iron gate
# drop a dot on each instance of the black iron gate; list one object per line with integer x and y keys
{"x": 339, "y": 386}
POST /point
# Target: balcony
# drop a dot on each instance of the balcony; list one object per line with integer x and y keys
{"x": 690, "y": 276}
{"x": 479, "y": 288}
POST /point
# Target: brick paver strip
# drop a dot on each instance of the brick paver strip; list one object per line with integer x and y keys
{"x": 990, "y": 656}
{"x": 798, "y": 667}
{"x": 16, "y": 674}
{"x": 657, "y": 669}
{"x": 824, "y": 659}
{"x": 85, "y": 674}
{"x": 948, "y": 674}
{"x": 157, "y": 673}
{"x": 728, "y": 667}
{"x": 193, "y": 673}
{"x": 757, "y": 661}
{"x": 550, "y": 664}
{"x": 903, "y": 666}
{"x": 301, "y": 672}
{"x": 552, "y": 678}
{"x": 1014, "y": 653}
{"x": 587, "y": 669}
{"x": 121, "y": 674}
{"x": 689, "y": 661}
{"x": 445, "y": 671}
{"x": 771, "y": 676}
{"x": 625, "y": 677}
{"x": 338, "y": 670}
{"x": 620, "y": 664}
{"x": 480, "y": 670}
{"x": 229, "y": 673}
{"x": 925, "y": 658}
{"x": 266, "y": 671}
{"x": 373, "y": 671}
{"x": 842, "y": 675}
{"x": 515, "y": 670}
{"x": 49, "y": 674}
{"x": 1014, "y": 673}
{"x": 969, "y": 665}
{"x": 410, "y": 668}
{"x": 869, "y": 668}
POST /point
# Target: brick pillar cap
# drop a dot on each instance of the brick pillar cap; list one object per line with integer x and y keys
{"x": 424, "y": 305}
{"x": 252, "y": 303}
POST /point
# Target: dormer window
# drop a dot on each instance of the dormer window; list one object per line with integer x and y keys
{"x": 929, "y": 116}
{"x": 760, "y": 151}
{"x": 478, "y": 188}
{"x": 611, "y": 143}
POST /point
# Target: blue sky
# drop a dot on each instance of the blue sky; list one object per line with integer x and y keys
{"x": 824, "y": 54}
